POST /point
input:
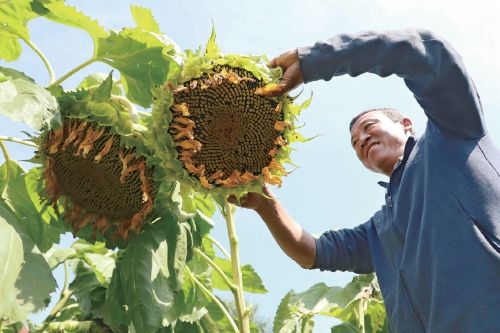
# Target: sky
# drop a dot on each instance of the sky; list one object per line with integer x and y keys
{"x": 330, "y": 189}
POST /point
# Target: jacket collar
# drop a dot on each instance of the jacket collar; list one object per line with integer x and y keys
{"x": 410, "y": 143}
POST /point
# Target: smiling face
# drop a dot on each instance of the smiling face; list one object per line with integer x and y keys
{"x": 379, "y": 141}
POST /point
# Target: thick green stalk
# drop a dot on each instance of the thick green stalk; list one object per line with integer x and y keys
{"x": 16, "y": 140}
{"x": 71, "y": 72}
{"x": 42, "y": 56}
{"x": 243, "y": 313}
{"x": 214, "y": 299}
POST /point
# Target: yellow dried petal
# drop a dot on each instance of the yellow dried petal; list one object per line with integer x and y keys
{"x": 105, "y": 150}
{"x": 270, "y": 88}
{"x": 204, "y": 182}
{"x": 190, "y": 144}
{"x": 181, "y": 108}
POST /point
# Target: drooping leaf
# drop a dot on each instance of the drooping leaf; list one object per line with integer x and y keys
{"x": 146, "y": 289}
{"x": 11, "y": 260}
{"x": 117, "y": 310}
{"x": 252, "y": 282}
{"x": 34, "y": 282}
{"x": 144, "y": 19}
{"x": 23, "y": 100}
{"x": 60, "y": 12}
{"x": 141, "y": 67}
{"x": 16, "y": 198}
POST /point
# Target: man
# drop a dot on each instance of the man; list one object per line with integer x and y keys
{"x": 435, "y": 244}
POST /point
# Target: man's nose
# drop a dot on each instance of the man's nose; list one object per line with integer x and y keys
{"x": 364, "y": 139}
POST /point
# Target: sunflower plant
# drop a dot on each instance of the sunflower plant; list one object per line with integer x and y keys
{"x": 134, "y": 163}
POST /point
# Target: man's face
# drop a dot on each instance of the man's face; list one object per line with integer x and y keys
{"x": 378, "y": 141}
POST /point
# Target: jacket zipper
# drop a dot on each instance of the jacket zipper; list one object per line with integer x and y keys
{"x": 391, "y": 220}
{"x": 410, "y": 299}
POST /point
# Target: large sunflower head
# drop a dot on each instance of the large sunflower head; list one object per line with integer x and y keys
{"x": 98, "y": 166}
{"x": 216, "y": 129}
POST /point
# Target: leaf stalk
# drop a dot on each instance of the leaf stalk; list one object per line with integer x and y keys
{"x": 228, "y": 282}
{"x": 71, "y": 72}
{"x": 214, "y": 299}
{"x": 50, "y": 70}
{"x": 20, "y": 141}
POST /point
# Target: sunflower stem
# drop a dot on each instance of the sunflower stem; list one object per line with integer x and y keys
{"x": 215, "y": 299}
{"x": 16, "y": 140}
{"x": 243, "y": 313}
{"x": 230, "y": 284}
{"x": 52, "y": 76}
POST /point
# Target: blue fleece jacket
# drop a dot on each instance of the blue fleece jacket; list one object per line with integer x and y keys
{"x": 435, "y": 244}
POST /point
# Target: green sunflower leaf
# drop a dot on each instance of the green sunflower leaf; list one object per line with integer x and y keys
{"x": 90, "y": 293}
{"x": 95, "y": 80}
{"x": 34, "y": 282}
{"x": 11, "y": 260}
{"x": 143, "y": 275}
{"x": 23, "y": 100}
{"x": 141, "y": 67}
{"x": 144, "y": 19}
{"x": 10, "y": 48}
{"x": 17, "y": 199}
{"x": 58, "y": 11}
{"x": 103, "y": 92}
{"x": 14, "y": 16}
{"x": 115, "y": 302}
{"x": 212, "y": 49}
{"x": 252, "y": 282}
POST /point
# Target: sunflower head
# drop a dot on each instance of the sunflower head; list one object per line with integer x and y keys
{"x": 216, "y": 129}
{"x": 98, "y": 167}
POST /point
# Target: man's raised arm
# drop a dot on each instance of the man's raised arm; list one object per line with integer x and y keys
{"x": 430, "y": 67}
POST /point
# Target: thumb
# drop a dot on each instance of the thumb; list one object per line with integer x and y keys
{"x": 290, "y": 80}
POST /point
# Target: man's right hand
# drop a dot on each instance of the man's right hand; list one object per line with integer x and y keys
{"x": 292, "y": 76}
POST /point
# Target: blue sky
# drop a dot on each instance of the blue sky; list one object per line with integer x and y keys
{"x": 331, "y": 189}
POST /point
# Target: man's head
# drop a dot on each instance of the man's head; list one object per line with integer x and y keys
{"x": 379, "y": 136}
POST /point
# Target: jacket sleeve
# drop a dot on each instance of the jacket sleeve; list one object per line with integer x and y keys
{"x": 344, "y": 250}
{"x": 430, "y": 67}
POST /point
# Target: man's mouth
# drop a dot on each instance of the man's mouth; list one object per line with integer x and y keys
{"x": 373, "y": 144}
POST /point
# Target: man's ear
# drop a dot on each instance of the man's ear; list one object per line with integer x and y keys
{"x": 407, "y": 125}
